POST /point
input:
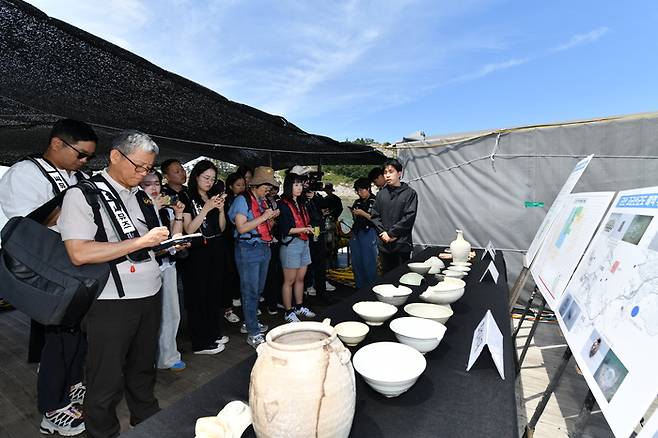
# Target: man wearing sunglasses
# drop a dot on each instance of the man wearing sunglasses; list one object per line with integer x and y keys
{"x": 26, "y": 186}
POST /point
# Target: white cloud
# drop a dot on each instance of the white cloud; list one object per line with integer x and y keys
{"x": 488, "y": 69}
{"x": 580, "y": 39}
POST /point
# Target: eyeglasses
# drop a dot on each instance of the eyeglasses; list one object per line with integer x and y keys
{"x": 142, "y": 170}
{"x": 81, "y": 154}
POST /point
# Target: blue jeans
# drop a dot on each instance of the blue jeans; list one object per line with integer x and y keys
{"x": 252, "y": 261}
{"x": 364, "y": 257}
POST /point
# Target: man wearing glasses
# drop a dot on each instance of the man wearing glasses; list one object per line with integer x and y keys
{"x": 26, "y": 186}
{"x": 122, "y": 324}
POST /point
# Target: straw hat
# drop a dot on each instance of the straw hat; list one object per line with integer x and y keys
{"x": 263, "y": 175}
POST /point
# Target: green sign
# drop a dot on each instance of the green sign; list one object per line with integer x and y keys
{"x": 533, "y": 204}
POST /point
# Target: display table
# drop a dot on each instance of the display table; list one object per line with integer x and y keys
{"x": 446, "y": 401}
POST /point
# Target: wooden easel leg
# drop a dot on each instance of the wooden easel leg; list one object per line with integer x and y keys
{"x": 533, "y": 329}
{"x": 518, "y": 286}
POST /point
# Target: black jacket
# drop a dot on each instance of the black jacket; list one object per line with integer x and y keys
{"x": 395, "y": 212}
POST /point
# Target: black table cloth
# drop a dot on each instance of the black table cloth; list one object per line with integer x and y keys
{"x": 446, "y": 401}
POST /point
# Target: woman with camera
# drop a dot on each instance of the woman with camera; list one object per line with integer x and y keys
{"x": 204, "y": 268}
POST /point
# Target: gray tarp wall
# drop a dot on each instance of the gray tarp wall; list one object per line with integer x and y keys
{"x": 480, "y": 182}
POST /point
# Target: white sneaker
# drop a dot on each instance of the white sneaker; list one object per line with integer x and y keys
{"x": 311, "y": 291}
{"x": 329, "y": 287}
{"x": 261, "y": 327}
{"x": 236, "y": 302}
{"x": 222, "y": 340}
{"x": 256, "y": 340}
{"x": 304, "y": 311}
{"x": 211, "y": 351}
{"x": 290, "y": 316}
{"x": 67, "y": 421}
{"x": 230, "y": 316}
{"x": 77, "y": 393}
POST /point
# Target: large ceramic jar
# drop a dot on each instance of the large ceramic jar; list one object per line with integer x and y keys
{"x": 460, "y": 248}
{"x": 302, "y": 384}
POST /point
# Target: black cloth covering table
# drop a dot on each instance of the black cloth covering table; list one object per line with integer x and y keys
{"x": 446, "y": 401}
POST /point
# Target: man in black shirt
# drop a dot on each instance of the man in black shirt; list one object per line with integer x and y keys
{"x": 175, "y": 174}
{"x": 394, "y": 214}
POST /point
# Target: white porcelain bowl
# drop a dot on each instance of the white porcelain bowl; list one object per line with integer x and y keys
{"x": 461, "y": 263}
{"x": 422, "y": 334}
{"x": 374, "y": 312}
{"x": 454, "y": 274}
{"x": 403, "y": 367}
{"x": 436, "y": 263}
{"x": 459, "y": 268}
{"x": 444, "y": 292}
{"x": 411, "y": 279}
{"x": 419, "y": 267}
{"x": 436, "y": 312}
{"x": 351, "y": 332}
{"x": 390, "y": 294}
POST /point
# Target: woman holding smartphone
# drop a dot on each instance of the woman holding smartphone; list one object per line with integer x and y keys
{"x": 202, "y": 286}
{"x": 168, "y": 213}
{"x": 295, "y": 229}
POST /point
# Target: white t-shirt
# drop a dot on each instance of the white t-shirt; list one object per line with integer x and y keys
{"x": 23, "y": 188}
{"x": 76, "y": 222}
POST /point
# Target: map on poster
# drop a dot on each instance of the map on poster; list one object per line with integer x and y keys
{"x": 566, "y": 241}
{"x": 568, "y": 186}
{"x": 609, "y": 310}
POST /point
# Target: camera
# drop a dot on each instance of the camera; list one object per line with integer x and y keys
{"x": 315, "y": 181}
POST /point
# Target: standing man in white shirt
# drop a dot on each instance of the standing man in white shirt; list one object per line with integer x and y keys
{"x": 60, "y": 350}
{"x": 122, "y": 324}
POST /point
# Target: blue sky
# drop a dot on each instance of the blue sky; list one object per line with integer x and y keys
{"x": 384, "y": 69}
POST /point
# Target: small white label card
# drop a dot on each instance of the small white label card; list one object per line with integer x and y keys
{"x": 489, "y": 250}
{"x": 487, "y": 333}
{"x": 492, "y": 271}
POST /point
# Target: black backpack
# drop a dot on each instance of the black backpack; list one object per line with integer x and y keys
{"x": 37, "y": 276}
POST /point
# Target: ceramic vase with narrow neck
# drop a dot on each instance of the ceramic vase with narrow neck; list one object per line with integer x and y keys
{"x": 302, "y": 384}
{"x": 460, "y": 248}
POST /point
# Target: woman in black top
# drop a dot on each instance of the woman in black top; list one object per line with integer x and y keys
{"x": 363, "y": 243}
{"x": 206, "y": 264}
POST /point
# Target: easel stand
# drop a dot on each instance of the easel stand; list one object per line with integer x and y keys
{"x": 532, "y": 424}
{"x": 524, "y": 314}
{"x": 518, "y": 287}
{"x": 533, "y": 329}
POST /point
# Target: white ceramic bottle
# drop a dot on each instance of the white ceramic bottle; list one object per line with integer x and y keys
{"x": 302, "y": 383}
{"x": 460, "y": 248}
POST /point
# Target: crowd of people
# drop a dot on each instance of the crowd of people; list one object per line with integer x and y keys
{"x": 256, "y": 241}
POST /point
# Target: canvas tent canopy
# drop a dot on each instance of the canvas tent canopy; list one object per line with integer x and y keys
{"x": 479, "y": 182}
{"x": 50, "y": 69}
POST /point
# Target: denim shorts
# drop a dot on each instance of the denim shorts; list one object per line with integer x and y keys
{"x": 296, "y": 254}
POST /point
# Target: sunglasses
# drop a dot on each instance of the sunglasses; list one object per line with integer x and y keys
{"x": 81, "y": 154}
